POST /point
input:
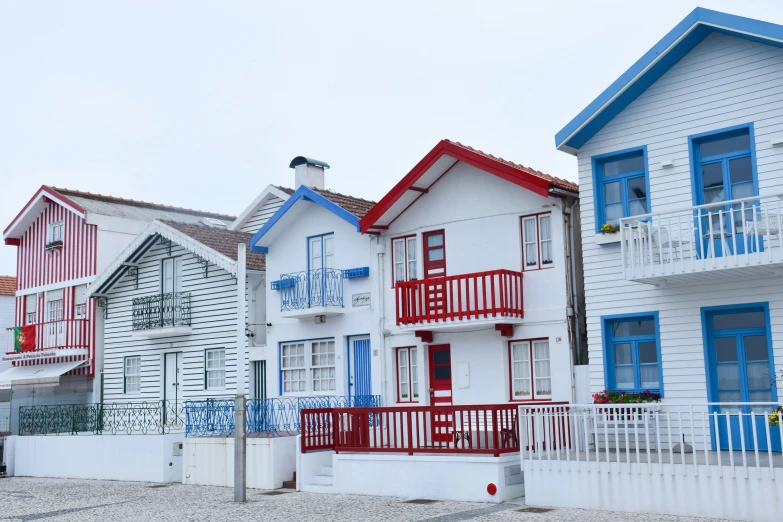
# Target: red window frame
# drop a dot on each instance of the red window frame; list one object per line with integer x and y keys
{"x": 397, "y": 352}
{"x": 533, "y": 397}
{"x": 405, "y": 255}
{"x": 538, "y": 265}
{"x": 428, "y": 265}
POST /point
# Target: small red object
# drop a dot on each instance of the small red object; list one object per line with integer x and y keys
{"x": 492, "y": 489}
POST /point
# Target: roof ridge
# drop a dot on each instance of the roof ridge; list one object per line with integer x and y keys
{"x": 142, "y": 204}
{"x": 570, "y": 185}
{"x": 330, "y": 191}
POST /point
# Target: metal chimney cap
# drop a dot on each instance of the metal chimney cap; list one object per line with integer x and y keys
{"x": 301, "y": 160}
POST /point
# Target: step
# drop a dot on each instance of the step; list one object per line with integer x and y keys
{"x": 314, "y": 488}
{"x": 290, "y": 484}
{"x": 326, "y": 471}
{"x": 321, "y": 480}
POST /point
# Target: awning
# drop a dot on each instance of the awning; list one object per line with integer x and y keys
{"x": 37, "y": 375}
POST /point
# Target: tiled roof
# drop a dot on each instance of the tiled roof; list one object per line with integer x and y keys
{"x": 554, "y": 181}
{"x": 141, "y": 204}
{"x": 356, "y": 206}
{"x": 7, "y": 285}
{"x": 221, "y": 240}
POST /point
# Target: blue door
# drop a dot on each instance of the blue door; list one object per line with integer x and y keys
{"x": 739, "y": 355}
{"x": 359, "y": 365}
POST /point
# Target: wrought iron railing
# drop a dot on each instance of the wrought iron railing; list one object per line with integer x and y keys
{"x": 160, "y": 310}
{"x": 278, "y": 416}
{"x": 142, "y": 418}
{"x": 311, "y": 288}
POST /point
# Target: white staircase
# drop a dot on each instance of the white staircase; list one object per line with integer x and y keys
{"x": 321, "y": 482}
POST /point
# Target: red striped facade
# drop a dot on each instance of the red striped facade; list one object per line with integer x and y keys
{"x": 38, "y": 267}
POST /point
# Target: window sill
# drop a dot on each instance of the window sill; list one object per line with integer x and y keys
{"x": 607, "y": 239}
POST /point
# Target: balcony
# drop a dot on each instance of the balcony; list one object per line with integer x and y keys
{"x": 458, "y": 301}
{"x": 730, "y": 239}
{"x": 63, "y": 338}
{"x": 311, "y": 293}
{"x": 161, "y": 315}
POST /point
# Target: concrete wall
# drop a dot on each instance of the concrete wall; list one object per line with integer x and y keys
{"x": 700, "y": 492}
{"x": 209, "y": 461}
{"x": 143, "y": 458}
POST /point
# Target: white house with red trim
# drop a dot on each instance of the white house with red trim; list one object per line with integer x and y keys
{"x": 64, "y": 238}
{"x": 683, "y": 156}
{"x": 477, "y": 271}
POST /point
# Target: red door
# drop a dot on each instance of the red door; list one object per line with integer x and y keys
{"x": 435, "y": 270}
{"x": 440, "y": 393}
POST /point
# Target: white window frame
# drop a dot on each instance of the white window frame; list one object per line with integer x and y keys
{"x": 55, "y": 232}
{"x": 304, "y": 371}
{"x": 407, "y": 381}
{"x": 175, "y": 265}
{"x": 215, "y": 370}
{"x": 533, "y": 376}
{"x": 80, "y": 311}
{"x": 136, "y": 366}
{"x": 538, "y": 242}
{"x": 409, "y": 263}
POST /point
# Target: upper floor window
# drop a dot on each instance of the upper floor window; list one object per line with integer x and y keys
{"x": 321, "y": 251}
{"x": 724, "y": 170}
{"x": 632, "y": 353}
{"x": 537, "y": 242}
{"x": 171, "y": 275}
{"x": 404, "y": 259}
{"x": 621, "y": 186}
{"x": 531, "y": 376}
{"x": 54, "y": 233}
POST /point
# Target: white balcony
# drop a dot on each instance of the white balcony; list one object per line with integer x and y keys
{"x": 727, "y": 239}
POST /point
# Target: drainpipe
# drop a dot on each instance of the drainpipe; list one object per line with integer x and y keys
{"x": 381, "y": 250}
{"x": 574, "y": 300}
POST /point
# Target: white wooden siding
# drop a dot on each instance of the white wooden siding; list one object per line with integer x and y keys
{"x": 266, "y": 211}
{"x": 724, "y": 81}
{"x": 213, "y": 320}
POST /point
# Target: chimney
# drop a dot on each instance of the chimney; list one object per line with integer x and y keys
{"x": 309, "y": 172}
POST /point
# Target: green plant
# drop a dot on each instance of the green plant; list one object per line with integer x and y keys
{"x": 621, "y": 397}
{"x": 774, "y": 417}
{"x": 607, "y": 228}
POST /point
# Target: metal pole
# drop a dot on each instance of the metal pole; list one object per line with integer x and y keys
{"x": 240, "y": 448}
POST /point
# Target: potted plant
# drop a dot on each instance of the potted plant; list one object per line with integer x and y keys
{"x": 54, "y": 244}
{"x": 608, "y": 228}
{"x": 774, "y": 416}
{"x": 621, "y": 397}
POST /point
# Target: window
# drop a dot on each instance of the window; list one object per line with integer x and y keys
{"x": 404, "y": 259}
{"x": 537, "y": 242}
{"x": 321, "y": 251}
{"x": 308, "y": 367}
{"x": 132, "y": 375}
{"x": 171, "y": 275}
{"x": 54, "y": 233}
{"x": 215, "y": 369}
{"x": 80, "y": 311}
{"x": 632, "y": 353}
{"x": 531, "y": 374}
{"x": 621, "y": 188}
{"x": 724, "y": 169}
{"x": 30, "y": 318}
{"x": 407, "y": 375}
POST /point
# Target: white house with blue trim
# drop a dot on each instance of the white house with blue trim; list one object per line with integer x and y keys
{"x": 323, "y": 337}
{"x": 681, "y": 183}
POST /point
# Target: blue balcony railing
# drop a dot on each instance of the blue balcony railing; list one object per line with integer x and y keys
{"x": 278, "y": 416}
{"x": 311, "y": 288}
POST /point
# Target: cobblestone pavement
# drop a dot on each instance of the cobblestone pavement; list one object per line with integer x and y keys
{"x": 29, "y": 499}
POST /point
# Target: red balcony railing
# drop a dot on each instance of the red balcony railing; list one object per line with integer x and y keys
{"x": 66, "y": 333}
{"x": 479, "y": 429}
{"x": 497, "y": 293}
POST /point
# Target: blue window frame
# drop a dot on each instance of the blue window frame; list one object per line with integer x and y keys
{"x": 723, "y": 169}
{"x": 632, "y": 352}
{"x": 622, "y": 185}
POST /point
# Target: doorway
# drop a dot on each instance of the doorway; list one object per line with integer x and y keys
{"x": 172, "y": 397}
{"x": 360, "y": 371}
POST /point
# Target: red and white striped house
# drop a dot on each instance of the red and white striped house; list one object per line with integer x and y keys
{"x": 63, "y": 239}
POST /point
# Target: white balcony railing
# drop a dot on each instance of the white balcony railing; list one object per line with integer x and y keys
{"x": 725, "y": 236}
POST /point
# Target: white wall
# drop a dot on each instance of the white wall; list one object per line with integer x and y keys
{"x": 288, "y": 253}
{"x": 144, "y": 458}
{"x": 700, "y": 492}
{"x": 267, "y": 210}
{"x": 480, "y": 215}
{"x": 209, "y": 461}
{"x": 723, "y": 82}
{"x": 213, "y": 325}
{"x": 7, "y": 308}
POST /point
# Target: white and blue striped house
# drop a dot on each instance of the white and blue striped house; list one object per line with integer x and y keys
{"x": 681, "y": 183}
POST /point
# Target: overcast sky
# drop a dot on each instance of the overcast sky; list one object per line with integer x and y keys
{"x": 202, "y": 104}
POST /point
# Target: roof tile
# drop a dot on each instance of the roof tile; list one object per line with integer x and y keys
{"x": 221, "y": 240}
{"x": 7, "y": 285}
{"x": 356, "y": 206}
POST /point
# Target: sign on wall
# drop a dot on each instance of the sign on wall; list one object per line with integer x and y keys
{"x": 360, "y": 299}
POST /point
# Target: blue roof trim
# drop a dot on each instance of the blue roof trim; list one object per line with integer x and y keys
{"x": 306, "y": 194}
{"x": 655, "y": 62}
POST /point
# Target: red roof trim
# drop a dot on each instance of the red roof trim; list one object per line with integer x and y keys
{"x": 518, "y": 177}
{"x": 58, "y": 198}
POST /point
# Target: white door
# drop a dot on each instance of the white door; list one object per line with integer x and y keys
{"x": 55, "y": 331}
{"x": 171, "y": 377}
